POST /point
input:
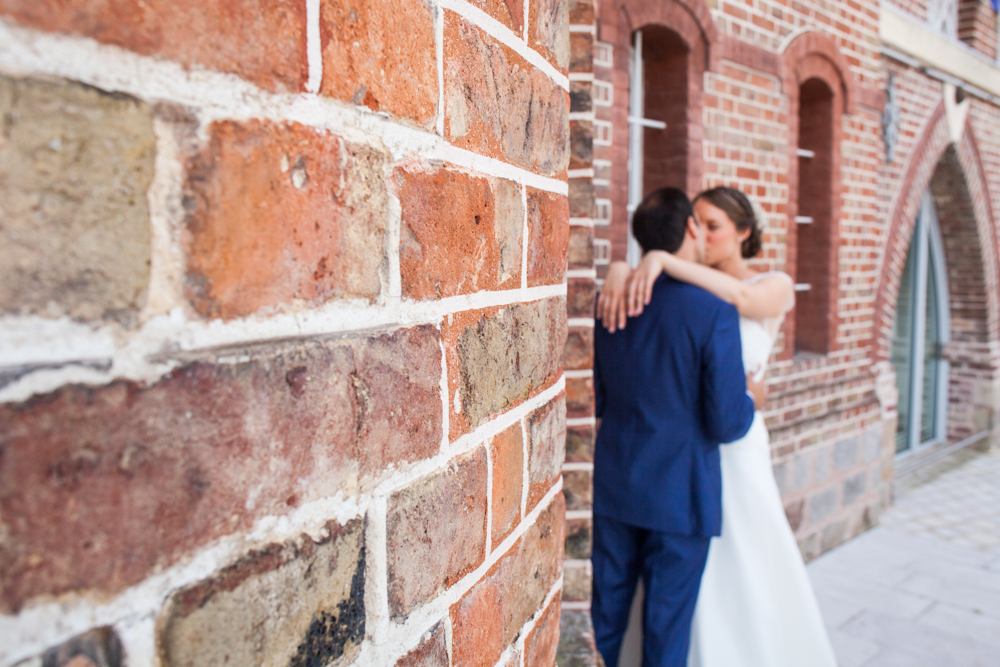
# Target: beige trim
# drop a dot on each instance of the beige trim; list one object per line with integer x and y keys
{"x": 906, "y": 34}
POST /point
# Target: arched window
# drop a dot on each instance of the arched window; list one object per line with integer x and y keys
{"x": 921, "y": 330}
{"x": 815, "y": 248}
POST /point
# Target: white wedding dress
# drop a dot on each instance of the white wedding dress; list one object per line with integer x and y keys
{"x": 756, "y": 606}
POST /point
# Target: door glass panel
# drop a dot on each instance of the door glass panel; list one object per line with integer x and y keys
{"x": 929, "y": 391}
{"x": 902, "y": 349}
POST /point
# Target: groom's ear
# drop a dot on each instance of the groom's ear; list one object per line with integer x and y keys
{"x": 692, "y": 226}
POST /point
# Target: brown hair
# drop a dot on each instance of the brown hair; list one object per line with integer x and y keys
{"x": 735, "y": 204}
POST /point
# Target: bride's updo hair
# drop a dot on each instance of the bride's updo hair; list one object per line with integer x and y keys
{"x": 735, "y": 204}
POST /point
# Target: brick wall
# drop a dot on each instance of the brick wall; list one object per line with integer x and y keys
{"x": 283, "y": 311}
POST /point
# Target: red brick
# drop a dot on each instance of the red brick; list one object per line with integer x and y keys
{"x": 477, "y": 628}
{"x": 508, "y": 12}
{"x": 581, "y": 140}
{"x": 579, "y": 538}
{"x": 507, "y": 455}
{"x": 580, "y": 397}
{"x": 580, "y": 253}
{"x": 202, "y": 453}
{"x": 262, "y": 41}
{"x": 461, "y": 233}
{"x": 432, "y": 651}
{"x": 490, "y": 95}
{"x": 498, "y": 357}
{"x": 581, "y": 58}
{"x": 548, "y": 237}
{"x": 578, "y": 487}
{"x": 513, "y": 590}
{"x": 581, "y": 12}
{"x": 549, "y": 31}
{"x": 546, "y": 448}
{"x": 291, "y": 603}
{"x": 543, "y": 641}
{"x": 279, "y": 213}
{"x": 580, "y": 296}
{"x": 436, "y": 532}
{"x": 579, "y": 353}
{"x": 580, "y": 443}
{"x": 381, "y": 55}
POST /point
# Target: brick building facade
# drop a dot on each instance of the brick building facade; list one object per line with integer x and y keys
{"x": 296, "y": 299}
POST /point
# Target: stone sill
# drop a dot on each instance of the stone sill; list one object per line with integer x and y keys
{"x": 907, "y": 35}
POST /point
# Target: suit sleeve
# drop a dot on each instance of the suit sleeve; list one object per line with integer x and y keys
{"x": 728, "y": 407}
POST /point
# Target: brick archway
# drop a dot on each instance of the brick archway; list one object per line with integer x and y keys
{"x": 954, "y": 175}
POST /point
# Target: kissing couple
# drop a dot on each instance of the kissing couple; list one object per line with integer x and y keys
{"x": 678, "y": 366}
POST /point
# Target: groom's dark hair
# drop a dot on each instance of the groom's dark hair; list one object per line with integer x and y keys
{"x": 660, "y": 221}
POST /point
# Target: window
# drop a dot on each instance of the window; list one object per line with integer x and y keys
{"x": 942, "y": 17}
{"x": 815, "y": 250}
{"x": 921, "y": 328}
{"x": 603, "y": 93}
{"x": 603, "y": 54}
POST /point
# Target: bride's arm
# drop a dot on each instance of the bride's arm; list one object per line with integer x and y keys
{"x": 768, "y": 297}
{"x": 611, "y": 303}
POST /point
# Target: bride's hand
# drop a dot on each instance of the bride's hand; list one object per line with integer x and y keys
{"x": 611, "y": 304}
{"x": 640, "y": 283}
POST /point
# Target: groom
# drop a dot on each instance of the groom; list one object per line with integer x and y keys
{"x": 670, "y": 388}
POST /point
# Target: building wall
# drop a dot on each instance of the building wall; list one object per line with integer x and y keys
{"x": 282, "y": 321}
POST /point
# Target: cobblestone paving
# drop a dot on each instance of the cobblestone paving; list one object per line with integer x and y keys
{"x": 923, "y": 588}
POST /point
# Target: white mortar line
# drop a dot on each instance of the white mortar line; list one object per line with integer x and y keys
{"x": 392, "y": 281}
{"x": 581, "y": 466}
{"x": 576, "y": 606}
{"x": 576, "y": 375}
{"x": 581, "y": 76}
{"x": 579, "y": 514}
{"x": 314, "y": 47}
{"x": 581, "y": 222}
{"x": 506, "y": 36}
{"x": 587, "y": 28}
{"x": 583, "y": 116}
{"x": 489, "y": 496}
{"x": 526, "y": 21}
{"x": 377, "y": 574}
{"x": 165, "y": 288}
{"x": 581, "y": 273}
{"x": 580, "y": 322}
{"x": 42, "y": 625}
{"x": 580, "y": 173}
{"x": 525, "y": 235}
{"x": 445, "y": 402}
{"x": 533, "y": 621}
{"x": 218, "y": 96}
{"x": 439, "y": 55}
{"x": 526, "y": 469}
{"x": 506, "y": 420}
{"x": 37, "y": 340}
{"x": 581, "y": 421}
{"x": 138, "y": 638}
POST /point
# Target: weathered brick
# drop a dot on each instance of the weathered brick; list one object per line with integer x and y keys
{"x": 821, "y": 464}
{"x": 581, "y": 12}
{"x": 578, "y": 487}
{"x": 872, "y": 444}
{"x": 381, "y": 55}
{"x": 580, "y": 296}
{"x": 581, "y": 98}
{"x": 490, "y": 95}
{"x": 436, "y": 532}
{"x": 203, "y": 453}
{"x": 579, "y": 537}
{"x": 497, "y": 357}
{"x": 75, "y": 164}
{"x": 580, "y": 397}
{"x": 460, "y": 233}
{"x": 799, "y": 473}
{"x": 576, "y": 639}
{"x": 546, "y": 447}
{"x": 432, "y": 651}
{"x": 580, "y": 254}
{"x": 580, "y": 443}
{"x": 794, "y": 512}
{"x": 508, "y": 12}
{"x": 549, "y": 31}
{"x": 214, "y": 34}
{"x": 579, "y": 349}
{"x": 298, "y": 604}
{"x": 581, "y": 144}
{"x": 581, "y": 52}
{"x": 543, "y": 640}
{"x": 833, "y": 535}
{"x": 279, "y": 213}
{"x": 577, "y": 578}
{"x": 548, "y": 237}
{"x": 511, "y": 592}
{"x": 581, "y": 198}
{"x": 99, "y": 647}
{"x": 507, "y": 456}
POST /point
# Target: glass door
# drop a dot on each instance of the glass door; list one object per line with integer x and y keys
{"x": 920, "y": 332}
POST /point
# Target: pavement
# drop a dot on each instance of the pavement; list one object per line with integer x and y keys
{"x": 923, "y": 588}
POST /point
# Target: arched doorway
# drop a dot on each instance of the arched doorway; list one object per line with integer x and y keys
{"x": 921, "y": 331}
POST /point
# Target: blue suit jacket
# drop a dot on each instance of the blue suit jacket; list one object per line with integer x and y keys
{"x": 670, "y": 388}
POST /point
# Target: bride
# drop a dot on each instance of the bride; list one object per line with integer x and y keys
{"x": 756, "y": 607}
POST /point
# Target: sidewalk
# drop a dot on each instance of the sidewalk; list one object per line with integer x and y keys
{"x": 923, "y": 588}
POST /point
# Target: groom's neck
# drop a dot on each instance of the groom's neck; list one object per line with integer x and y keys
{"x": 688, "y": 250}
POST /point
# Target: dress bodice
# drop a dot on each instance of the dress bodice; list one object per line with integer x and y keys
{"x": 758, "y": 336}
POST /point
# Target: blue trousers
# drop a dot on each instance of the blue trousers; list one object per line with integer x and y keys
{"x": 671, "y": 567}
